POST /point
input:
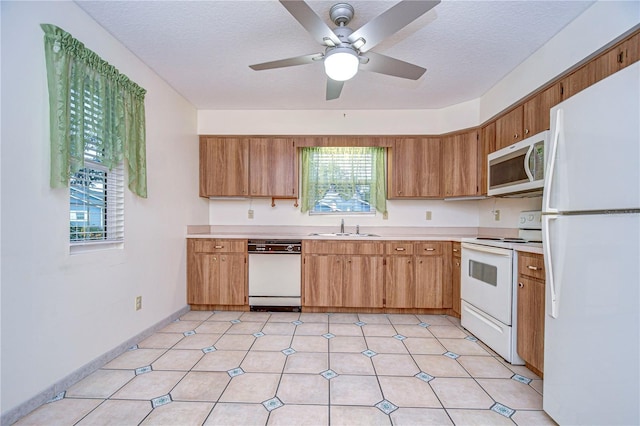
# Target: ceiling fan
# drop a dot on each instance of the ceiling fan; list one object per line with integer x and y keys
{"x": 346, "y": 50}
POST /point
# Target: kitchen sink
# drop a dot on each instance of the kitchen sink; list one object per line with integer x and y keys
{"x": 341, "y": 234}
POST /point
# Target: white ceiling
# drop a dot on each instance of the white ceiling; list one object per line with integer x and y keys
{"x": 204, "y": 48}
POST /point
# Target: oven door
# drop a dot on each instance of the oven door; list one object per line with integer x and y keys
{"x": 486, "y": 280}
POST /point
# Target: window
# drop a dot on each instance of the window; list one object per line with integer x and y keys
{"x": 96, "y": 204}
{"x": 97, "y": 120}
{"x": 96, "y": 194}
{"x": 343, "y": 180}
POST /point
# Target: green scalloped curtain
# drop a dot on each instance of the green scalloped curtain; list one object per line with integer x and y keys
{"x": 78, "y": 77}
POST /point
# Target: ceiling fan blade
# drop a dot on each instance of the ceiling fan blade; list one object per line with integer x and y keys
{"x": 390, "y": 22}
{"x": 311, "y": 22}
{"x": 290, "y": 62}
{"x": 333, "y": 89}
{"x": 390, "y": 66}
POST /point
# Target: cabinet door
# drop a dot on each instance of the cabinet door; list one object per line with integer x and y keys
{"x": 455, "y": 277}
{"x": 460, "y": 160}
{"x": 400, "y": 283}
{"x": 631, "y": 50}
{"x": 414, "y": 168}
{"x": 429, "y": 272}
{"x": 322, "y": 280}
{"x": 531, "y": 321}
{"x": 509, "y": 128}
{"x": 363, "y": 281}
{"x": 536, "y": 110}
{"x": 590, "y": 73}
{"x": 487, "y": 145}
{"x": 202, "y": 278}
{"x": 232, "y": 281}
{"x": 223, "y": 167}
{"x": 273, "y": 170}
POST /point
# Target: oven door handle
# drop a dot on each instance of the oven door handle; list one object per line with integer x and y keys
{"x": 486, "y": 249}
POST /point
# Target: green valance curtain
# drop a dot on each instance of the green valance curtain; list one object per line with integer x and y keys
{"x": 81, "y": 85}
{"x": 352, "y": 172}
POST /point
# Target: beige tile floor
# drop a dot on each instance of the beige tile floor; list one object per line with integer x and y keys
{"x": 283, "y": 368}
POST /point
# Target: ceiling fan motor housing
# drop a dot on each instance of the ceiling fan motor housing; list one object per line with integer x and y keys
{"x": 341, "y": 13}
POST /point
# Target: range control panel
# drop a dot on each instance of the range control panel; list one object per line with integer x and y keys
{"x": 531, "y": 219}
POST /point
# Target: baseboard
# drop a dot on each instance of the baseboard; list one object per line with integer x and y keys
{"x": 16, "y": 413}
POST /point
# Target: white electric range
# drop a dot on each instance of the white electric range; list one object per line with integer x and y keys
{"x": 489, "y": 286}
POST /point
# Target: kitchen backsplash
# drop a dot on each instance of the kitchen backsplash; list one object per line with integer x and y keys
{"x": 404, "y": 213}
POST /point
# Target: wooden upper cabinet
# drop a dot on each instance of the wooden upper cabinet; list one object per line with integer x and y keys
{"x": 630, "y": 50}
{"x": 460, "y": 164}
{"x": 509, "y": 128}
{"x": 536, "y": 110}
{"x": 414, "y": 168}
{"x": 609, "y": 62}
{"x": 224, "y": 167}
{"x": 487, "y": 145}
{"x": 273, "y": 167}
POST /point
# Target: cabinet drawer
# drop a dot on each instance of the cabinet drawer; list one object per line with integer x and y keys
{"x": 531, "y": 265}
{"x": 429, "y": 249}
{"x": 219, "y": 246}
{"x": 456, "y": 250}
{"x": 341, "y": 247}
{"x": 400, "y": 248}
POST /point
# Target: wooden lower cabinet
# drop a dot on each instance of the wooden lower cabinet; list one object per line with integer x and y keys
{"x": 394, "y": 275}
{"x": 363, "y": 281}
{"x": 217, "y": 272}
{"x": 342, "y": 274}
{"x": 456, "y": 269}
{"x": 531, "y": 294}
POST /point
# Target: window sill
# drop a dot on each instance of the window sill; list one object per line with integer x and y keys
{"x": 92, "y": 246}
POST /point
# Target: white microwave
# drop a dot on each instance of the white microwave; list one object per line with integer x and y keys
{"x": 518, "y": 170}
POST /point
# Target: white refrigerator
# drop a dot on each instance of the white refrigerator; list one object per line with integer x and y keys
{"x": 591, "y": 241}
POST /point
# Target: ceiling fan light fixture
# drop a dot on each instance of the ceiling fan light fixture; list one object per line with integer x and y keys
{"x": 341, "y": 63}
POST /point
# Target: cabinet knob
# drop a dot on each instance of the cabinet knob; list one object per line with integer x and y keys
{"x": 457, "y": 263}
{"x": 219, "y": 247}
{"x": 520, "y": 285}
{"x": 515, "y": 136}
{"x": 526, "y": 131}
{"x": 533, "y": 268}
{"x": 429, "y": 249}
{"x": 455, "y": 250}
{"x": 399, "y": 248}
{"x": 408, "y": 262}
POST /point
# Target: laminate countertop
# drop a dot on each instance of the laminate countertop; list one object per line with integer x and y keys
{"x": 375, "y": 233}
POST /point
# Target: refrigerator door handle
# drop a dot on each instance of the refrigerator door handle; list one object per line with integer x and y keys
{"x": 548, "y": 260}
{"x": 550, "y": 172}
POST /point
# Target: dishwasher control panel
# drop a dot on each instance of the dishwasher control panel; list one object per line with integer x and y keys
{"x": 275, "y": 246}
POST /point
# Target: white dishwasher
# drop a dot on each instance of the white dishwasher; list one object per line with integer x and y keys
{"x": 275, "y": 275}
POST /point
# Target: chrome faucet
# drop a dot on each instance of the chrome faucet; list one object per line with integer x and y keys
{"x": 342, "y": 226}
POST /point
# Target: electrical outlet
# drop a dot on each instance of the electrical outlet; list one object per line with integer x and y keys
{"x": 385, "y": 216}
{"x": 496, "y": 215}
{"x": 250, "y": 214}
{"x": 428, "y": 215}
{"x": 138, "y": 303}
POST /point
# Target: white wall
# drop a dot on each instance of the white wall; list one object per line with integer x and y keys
{"x": 597, "y": 26}
{"x": 61, "y": 311}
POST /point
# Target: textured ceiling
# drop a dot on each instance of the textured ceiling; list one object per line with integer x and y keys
{"x": 204, "y": 48}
